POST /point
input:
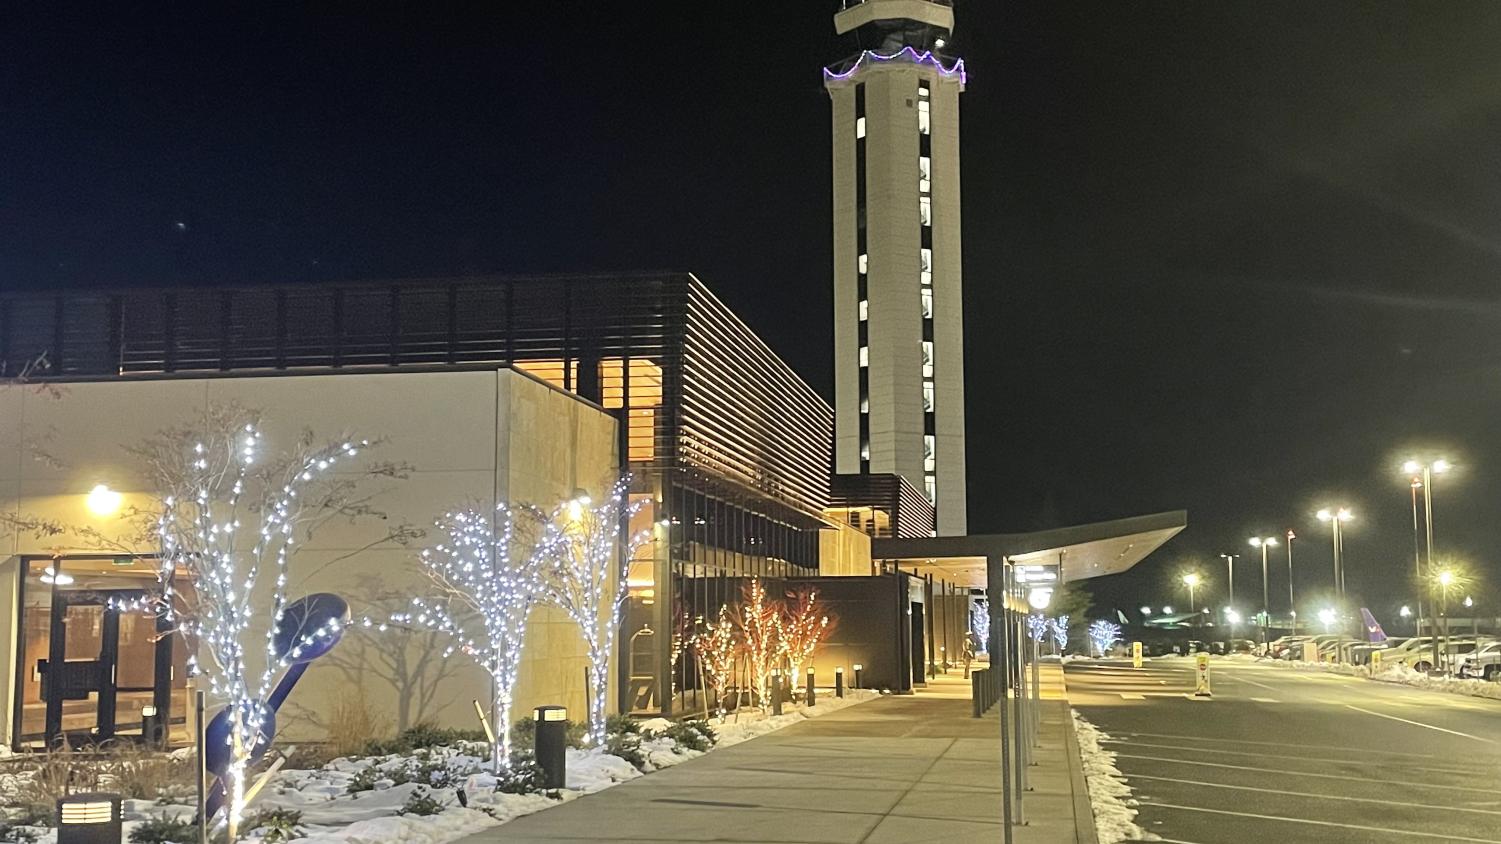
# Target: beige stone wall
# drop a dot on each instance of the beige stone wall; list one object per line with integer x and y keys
{"x": 843, "y": 551}
{"x": 472, "y": 437}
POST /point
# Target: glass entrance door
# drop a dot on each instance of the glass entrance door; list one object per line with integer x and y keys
{"x": 92, "y": 661}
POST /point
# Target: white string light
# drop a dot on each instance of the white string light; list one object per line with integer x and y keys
{"x": 585, "y": 576}
{"x": 486, "y": 594}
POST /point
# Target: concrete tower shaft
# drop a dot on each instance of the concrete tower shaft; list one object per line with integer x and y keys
{"x": 899, "y": 323}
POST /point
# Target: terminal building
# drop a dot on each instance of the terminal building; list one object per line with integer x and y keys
{"x": 537, "y": 390}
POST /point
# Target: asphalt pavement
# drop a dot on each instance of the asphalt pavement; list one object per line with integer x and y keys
{"x": 1284, "y": 755}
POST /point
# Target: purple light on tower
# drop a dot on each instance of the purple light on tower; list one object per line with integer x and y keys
{"x": 910, "y": 54}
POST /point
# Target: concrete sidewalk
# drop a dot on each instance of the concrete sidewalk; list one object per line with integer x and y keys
{"x": 899, "y": 769}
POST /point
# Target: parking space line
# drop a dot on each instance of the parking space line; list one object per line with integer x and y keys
{"x": 1406, "y": 805}
{"x": 1392, "y": 832}
{"x": 1265, "y": 700}
{"x": 1421, "y": 724}
{"x": 1286, "y": 773}
{"x": 1282, "y": 744}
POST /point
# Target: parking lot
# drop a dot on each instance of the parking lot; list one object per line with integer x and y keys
{"x": 1295, "y": 755}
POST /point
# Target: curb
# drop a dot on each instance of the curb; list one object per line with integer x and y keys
{"x": 1084, "y": 825}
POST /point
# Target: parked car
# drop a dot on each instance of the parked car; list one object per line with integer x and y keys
{"x": 1288, "y": 647}
{"x": 1337, "y": 649}
{"x": 1484, "y": 662}
{"x": 1417, "y": 653}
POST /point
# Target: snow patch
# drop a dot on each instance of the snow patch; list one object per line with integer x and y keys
{"x": 1109, "y": 795}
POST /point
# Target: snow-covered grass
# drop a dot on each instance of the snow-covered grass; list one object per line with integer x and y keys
{"x": 334, "y": 814}
{"x": 1109, "y": 795}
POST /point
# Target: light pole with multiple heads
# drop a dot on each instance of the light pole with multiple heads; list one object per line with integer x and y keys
{"x": 1423, "y": 479}
{"x": 1335, "y": 517}
{"x": 1264, "y": 542}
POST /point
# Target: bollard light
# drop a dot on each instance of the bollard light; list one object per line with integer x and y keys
{"x": 809, "y": 693}
{"x": 90, "y": 818}
{"x": 839, "y": 681}
{"x": 551, "y": 748}
{"x": 153, "y": 733}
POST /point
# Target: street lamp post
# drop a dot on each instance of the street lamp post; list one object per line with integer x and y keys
{"x": 1413, "y": 467}
{"x": 1191, "y": 580}
{"x": 1230, "y": 571}
{"x": 1292, "y": 608}
{"x": 1445, "y": 580}
{"x": 1264, "y": 542}
{"x": 1335, "y": 518}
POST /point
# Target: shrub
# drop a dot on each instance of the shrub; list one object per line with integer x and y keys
{"x": 420, "y": 802}
{"x": 523, "y": 777}
{"x": 277, "y": 826}
{"x": 693, "y": 734}
{"x": 16, "y": 834}
{"x": 622, "y": 725}
{"x": 421, "y": 736}
{"x": 309, "y": 757}
{"x": 141, "y": 774}
{"x": 165, "y": 830}
{"x": 364, "y": 780}
{"x": 628, "y": 747}
{"x": 524, "y": 734}
{"x": 351, "y": 724}
{"x": 53, "y": 774}
{"x": 437, "y": 773}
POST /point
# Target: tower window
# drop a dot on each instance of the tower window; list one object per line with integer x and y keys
{"x": 865, "y": 309}
{"x": 929, "y": 453}
{"x": 864, "y": 262}
{"x": 924, "y": 174}
{"x": 927, "y": 260}
{"x": 864, "y": 404}
{"x": 930, "y": 486}
{"x": 927, "y": 358}
{"x": 927, "y": 396}
{"x": 925, "y": 209}
{"x": 865, "y": 354}
{"x": 927, "y": 303}
{"x": 927, "y": 278}
{"x": 865, "y": 450}
{"x": 859, "y": 127}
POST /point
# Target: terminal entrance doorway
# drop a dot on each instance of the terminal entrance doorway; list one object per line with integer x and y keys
{"x": 94, "y": 660}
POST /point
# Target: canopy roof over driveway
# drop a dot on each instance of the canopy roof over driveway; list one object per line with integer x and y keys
{"x": 1080, "y": 551}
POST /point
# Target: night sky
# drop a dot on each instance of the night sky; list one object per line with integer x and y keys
{"x": 1231, "y": 257}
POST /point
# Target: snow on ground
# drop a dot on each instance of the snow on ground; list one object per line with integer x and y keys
{"x": 1404, "y": 676}
{"x": 1109, "y": 795}
{"x": 333, "y": 815}
{"x": 756, "y": 723}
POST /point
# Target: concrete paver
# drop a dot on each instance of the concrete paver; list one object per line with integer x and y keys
{"x": 899, "y": 769}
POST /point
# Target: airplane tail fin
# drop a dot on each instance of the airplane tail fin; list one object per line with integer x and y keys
{"x": 1374, "y": 633}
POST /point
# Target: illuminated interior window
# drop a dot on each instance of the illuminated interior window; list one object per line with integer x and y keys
{"x": 923, "y": 92}
{"x": 864, "y": 404}
{"x": 925, "y": 209}
{"x": 927, "y": 278}
{"x": 930, "y": 486}
{"x": 865, "y": 355}
{"x": 927, "y": 260}
{"x": 929, "y": 456}
{"x": 927, "y": 396}
{"x": 863, "y": 262}
{"x": 924, "y": 119}
{"x": 927, "y": 358}
{"x": 927, "y": 302}
{"x": 924, "y": 175}
{"x": 859, "y": 127}
{"x": 864, "y": 309}
{"x": 865, "y": 451}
